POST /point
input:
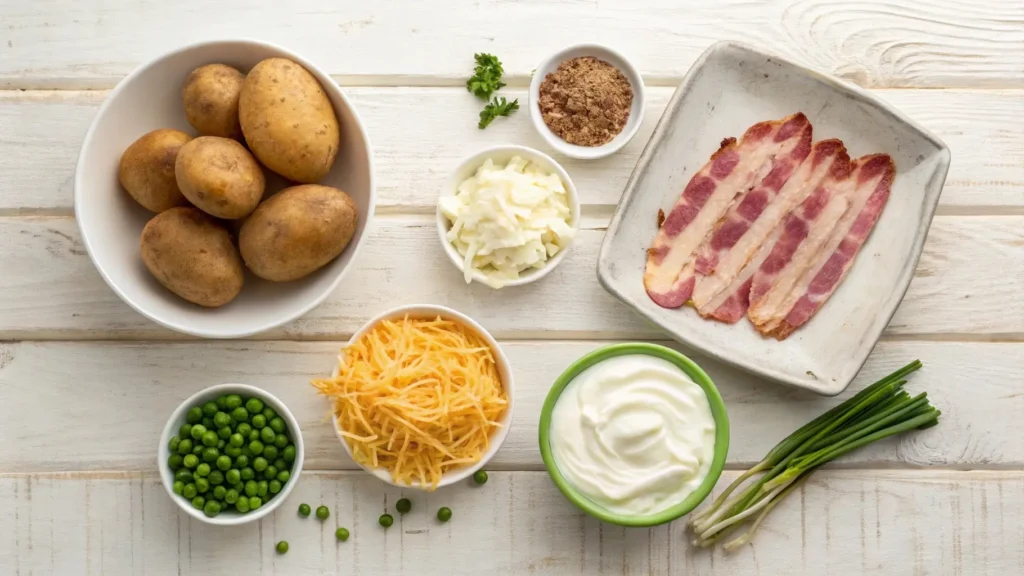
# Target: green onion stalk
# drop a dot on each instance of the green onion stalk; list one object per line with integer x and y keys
{"x": 881, "y": 410}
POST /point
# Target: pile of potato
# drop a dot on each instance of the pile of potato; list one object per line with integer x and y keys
{"x": 198, "y": 185}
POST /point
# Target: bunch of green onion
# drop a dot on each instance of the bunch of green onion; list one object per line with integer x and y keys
{"x": 879, "y": 411}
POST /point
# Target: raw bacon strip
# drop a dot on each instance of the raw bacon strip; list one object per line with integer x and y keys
{"x": 802, "y": 234}
{"x": 874, "y": 176}
{"x": 733, "y": 169}
{"x": 724, "y": 293}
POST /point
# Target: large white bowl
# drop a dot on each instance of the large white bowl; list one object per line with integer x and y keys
{"x": 504, "y": 371}
{"x": 111, "y": 222}
{"x": 500, "y": 155}
{"x": 229, "y": 517}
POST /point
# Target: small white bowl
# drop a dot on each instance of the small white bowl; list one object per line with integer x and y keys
{"x": 111, "y": 222}
{"x": 636, "y": 111}
{"x": 229, "y": 517}
{"x": 504, "y": 371}
{"x": 500, "y": 155}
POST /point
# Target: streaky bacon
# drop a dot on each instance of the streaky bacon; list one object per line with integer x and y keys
{"x": 799, "y": 237}
{"x": 669, "y": 275}
{"x": 874, "y": 175}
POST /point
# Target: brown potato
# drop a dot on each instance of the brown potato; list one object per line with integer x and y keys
{"x": 288, "y": 120}
{"x": 210, "y": 96}
{"x": 147, "y": 169}
{"x": 192, "y": 255}
{"x": 220, "y": 177}
{"x": 297, "y": 231}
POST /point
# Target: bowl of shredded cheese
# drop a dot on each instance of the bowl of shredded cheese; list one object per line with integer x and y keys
{"x": 508, "y": 216}
{"x": 422, "y": 396}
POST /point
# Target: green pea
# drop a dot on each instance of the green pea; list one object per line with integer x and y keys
{"x": 210, "y": 408}
{"x": 480, "y": 477}
{"x": 269, "y": 451}
{"x": 198, "y": 502}
{"x": 240, "y": 414}
{"x": 261, "y": 488}
{"x": 207, "y": 422}
{"x": 259, "y": 463}
{"x": 236, "y": 439}
{"x": 254, "y": 405}
{"x": 403, "y": 505}
{"x": 178, "y": 487}
{"x": 253, "y": 436}
{"x": 444, "y": 514}
{"x": 274, "y": 486}
{"x": 304, "y": 510}
{"x": 223, "y": 462}
{"x": 231, "y": 496}
{"x": 248, "y": 473}
{"x": 184, "y": 475}
{"x": 222, "y": 402}
{"x": 210, "y": 454}
{"x": 283, "y": 476}
{"x": 221, "y": 419}
{"x": 202, "y": 485}
{"x": 220, "y": 444}
{"x": 244, "y": 428}
{"x": 238, "y": 487}
{"x": 258, "y": 421}
{"x": 280, "y": 464}
{"x": 190, "y": 461}
{"x": 175, "y": 461}
{"x": 211, "y": 509}
{"x": 233, "y": 476}
{"x": 224, "y": 433}
{"x": 250, "y": 488}
{"x": 281, "y": 441}
{"x": 322, "y": 512}
{"x": 241, "y": 461}
{"x": 288, "y": 454}
{"x": 255, "y": 502}
{"x": 282, "y": 547}
{"x": 194, "y": 414}
{"x": 386, "y": 520}
{"x": 219, "y": 492}
{"x": 189, "y": 491}
{"x": 203, "y": 470}
{"x": 197, "y": 431}
{"x": 341, "y": 534}
{"x": 269, "y": 413}
{"x": 209, "y": 438}
{"x": 185, "y": 446}
{"x": 233, "y": 451}
{"x": 256, "y": 447}
{"x": 216, "y": 477}
{"x": 233, "y": 401}
{"x": 172, "y": 445}
{"x": 267, "y": 435}
{"x": 270, "y": 472}
{"x": 277, "y": 425}
{"x": 198, "y": 449}
{"x": 242, "y": 505}
{"x": 185, "y": 431}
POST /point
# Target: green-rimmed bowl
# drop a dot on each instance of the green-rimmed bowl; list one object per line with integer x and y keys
{"x": 717, "y": 411}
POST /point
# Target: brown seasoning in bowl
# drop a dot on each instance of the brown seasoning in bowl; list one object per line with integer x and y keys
{"x": 586, "y": 101}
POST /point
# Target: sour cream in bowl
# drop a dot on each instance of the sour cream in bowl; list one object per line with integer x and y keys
{"x": 507, "y": 216}
{"x": 634, "y": 434}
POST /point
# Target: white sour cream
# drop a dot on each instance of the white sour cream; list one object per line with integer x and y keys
{"x": 634, "y": 434}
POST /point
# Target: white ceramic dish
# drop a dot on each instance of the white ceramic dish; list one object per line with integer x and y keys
{"x": 729, "y": 88}
{"x": 504, "y": 370}
{"x": 111, "y": 222}
{"x": 501, "y": 155}
{"x": 636, "y": 112}
{"x": 229, "y": 517}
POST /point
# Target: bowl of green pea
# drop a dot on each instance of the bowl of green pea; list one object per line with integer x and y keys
{"x": 230, "y": 454}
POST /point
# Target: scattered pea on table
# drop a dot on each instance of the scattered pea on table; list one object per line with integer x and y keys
{"x": 386, "y": 520}
{"x": 304, "y": 510}
{"x": 403, "y": 506}
{"x": 341, "y": 534}
{"x": 282, "y": 547}
{"x": 480, "y": 477}
{"x": 444, "y": 514}
{"x": 322, "y": 512}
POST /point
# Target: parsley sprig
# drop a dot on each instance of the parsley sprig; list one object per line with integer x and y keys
{"x": 486, "y": 80}
{"x": 494, "y": 108}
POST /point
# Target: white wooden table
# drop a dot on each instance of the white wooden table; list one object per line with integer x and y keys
{"x": 86, "y": 383}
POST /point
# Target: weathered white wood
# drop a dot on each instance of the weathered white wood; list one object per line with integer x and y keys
{"x": 42, "y": 133}
{"x": 840, "y": 522}
{"x": 108, "y": 401}
{"x": 969, "y": 284}
{"x": 68, "y": 43}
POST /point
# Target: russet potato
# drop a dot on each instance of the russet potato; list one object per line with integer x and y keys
{"x": 210, "y": 96}
{"x": 146, "y": 169}
{"x": 220, "y": 177}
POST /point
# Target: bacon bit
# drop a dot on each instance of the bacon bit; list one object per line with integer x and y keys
{"x": 661, "y": 217}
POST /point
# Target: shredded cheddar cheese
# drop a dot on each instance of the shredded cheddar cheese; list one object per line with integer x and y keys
{"x": 417, "y": 397}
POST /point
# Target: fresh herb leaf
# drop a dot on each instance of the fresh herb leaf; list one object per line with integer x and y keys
{"x": 486, "y": 77}
{"x": 496, "y": 107}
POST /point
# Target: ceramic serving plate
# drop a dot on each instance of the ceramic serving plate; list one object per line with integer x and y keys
{"x": 729, "y": 88}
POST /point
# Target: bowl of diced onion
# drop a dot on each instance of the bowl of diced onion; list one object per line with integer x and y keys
{"x": 508, "y": 216}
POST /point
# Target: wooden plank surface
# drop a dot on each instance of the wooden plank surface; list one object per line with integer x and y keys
{"x": 968, "y": 284}
{"x": 840, "y": 522}
{"x": 125, "y": 392}
{"x": 42, "y": 132}
{"x": 93, "y": 43}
